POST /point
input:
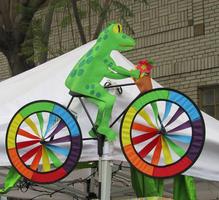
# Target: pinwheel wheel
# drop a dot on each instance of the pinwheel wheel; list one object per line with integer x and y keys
{"x": 43, "y": 141}
{"x": 162, "y": 133}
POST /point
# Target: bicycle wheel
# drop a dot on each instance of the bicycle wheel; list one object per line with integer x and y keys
{"x": 43, "y": 141}
{"x": 162, "y": 133}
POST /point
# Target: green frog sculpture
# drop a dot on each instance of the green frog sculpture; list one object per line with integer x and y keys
{"x": 96, "y": 64}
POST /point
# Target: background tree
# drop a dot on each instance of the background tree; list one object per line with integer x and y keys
{"x": 41, "y": 27}
{"x": 102, "y": 9}
{"x": 24, "y": 39}
{"x": 15, "y": 19}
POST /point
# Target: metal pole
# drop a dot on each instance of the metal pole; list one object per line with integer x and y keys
{"x": 100, "y": 178}
{"x": 106, "y": 179}
{"x": 100, "y": 144}
{"x": 92, "y": 181}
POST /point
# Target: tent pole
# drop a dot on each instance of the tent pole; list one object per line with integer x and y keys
{"x": 100, "y": 178}
{"x": 104, "y": 170}
{"x": 106, "y": 179}
{"x": 100, "y": 144}
{"x": 90, "y": 189}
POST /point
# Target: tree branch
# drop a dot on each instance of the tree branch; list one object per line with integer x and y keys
{"x": 78, "y": 22}
{"x": 102, "y": 17}
{"x": 4, "y": 39}
{"x": 24, "y": 17}
{"x": 5, "y": 13}
{"x": 46, "y": 30}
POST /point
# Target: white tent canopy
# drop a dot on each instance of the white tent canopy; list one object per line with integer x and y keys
{"x": 47, "y": 82}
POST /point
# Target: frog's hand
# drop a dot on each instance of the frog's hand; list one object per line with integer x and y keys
{"x": 10, "y": 181}
{"x": 135, "y": 73}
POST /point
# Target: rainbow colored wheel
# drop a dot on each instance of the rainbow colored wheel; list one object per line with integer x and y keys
{"x": 44, "y": 141}
{"x": 162, "y": 133}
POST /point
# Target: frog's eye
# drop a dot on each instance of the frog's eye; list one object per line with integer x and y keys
{"x": 117, "y": 28}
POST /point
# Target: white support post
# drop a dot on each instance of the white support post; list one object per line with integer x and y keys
{"x": 92, "y": 181}
{"x": 106, "y": 179}
{"x": 100, "y": 177}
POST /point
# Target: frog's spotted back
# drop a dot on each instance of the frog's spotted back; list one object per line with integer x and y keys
{"x": 92, "y": 65}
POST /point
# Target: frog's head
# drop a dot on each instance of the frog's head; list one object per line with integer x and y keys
{"x": 113, "y": 38}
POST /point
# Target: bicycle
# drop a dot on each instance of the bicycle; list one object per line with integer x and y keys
{"x": 162, "y": 146}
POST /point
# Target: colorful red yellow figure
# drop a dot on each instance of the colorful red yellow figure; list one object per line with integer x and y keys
{"x": 145, "y": 67}
{"x": 144, "y": 82}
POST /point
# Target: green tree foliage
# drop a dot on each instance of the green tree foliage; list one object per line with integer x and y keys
{"x": 24, "y": 34}
{"x": 15, "y": 20}
{"x": 103, "y": 10}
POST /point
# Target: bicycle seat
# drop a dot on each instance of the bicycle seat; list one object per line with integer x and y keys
{"x": 75, "y": 94}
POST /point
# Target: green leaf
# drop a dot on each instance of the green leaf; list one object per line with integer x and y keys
{"x": 82, "y": 13}
{"x": 143, "y": 1}
{"x": 127, "y": 25}
{"x": 123, "y": 9}
{"x": 96, "y": 6}
{"x": 61, "y": 3}
{"x": 66, "y": 20}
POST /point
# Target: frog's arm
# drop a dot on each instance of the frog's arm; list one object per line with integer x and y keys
{"x": 121, "y": 70}
{"x": 114, "y": 75}
{"x": 122, "y": 73}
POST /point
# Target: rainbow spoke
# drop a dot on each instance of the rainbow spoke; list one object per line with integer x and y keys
{"x": 157, "y": 153}
{"x": 175, "y": 116}
{"x": 155, "y": 111}
{"x": 146, "y": 117}
{"x": 56, "y": 161}
{"x": 32, "y": 125}
{"x": 45, "y": 159}
{"x": 177, "y": 149}
{"x": 167, "y": 110}
{"x": 30, "y": 154}
{"x": 143, "y": 137}
{"x": 166, "y": 152}
{"x": 57, "y": 149}
{"x": 147, "y": 149}
{"x": 140, "y": 127}
{"x": 59, "y": 127}
{"x": 41, "y": 121}
{"x": 181, "y": 127}
{"x": 26, "y": 134}
{"x": 36, "y": 160}
{"x": 60, "y": 140}
{"x": 180, "y": 138}
{"x": 21, "y": 145}
{"x": 51, "y": 123}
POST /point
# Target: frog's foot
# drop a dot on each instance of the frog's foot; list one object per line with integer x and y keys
{"x": 92, "y": 133}
{"x": 2, "y": 189}
{"x": 108, "y": 132}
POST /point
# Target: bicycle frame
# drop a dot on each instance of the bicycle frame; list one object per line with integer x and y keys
{"x": 80, "y": 96}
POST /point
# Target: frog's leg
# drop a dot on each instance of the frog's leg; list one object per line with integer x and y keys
{"x": 105, "y": 102}
{"x": 100, "y": 105}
